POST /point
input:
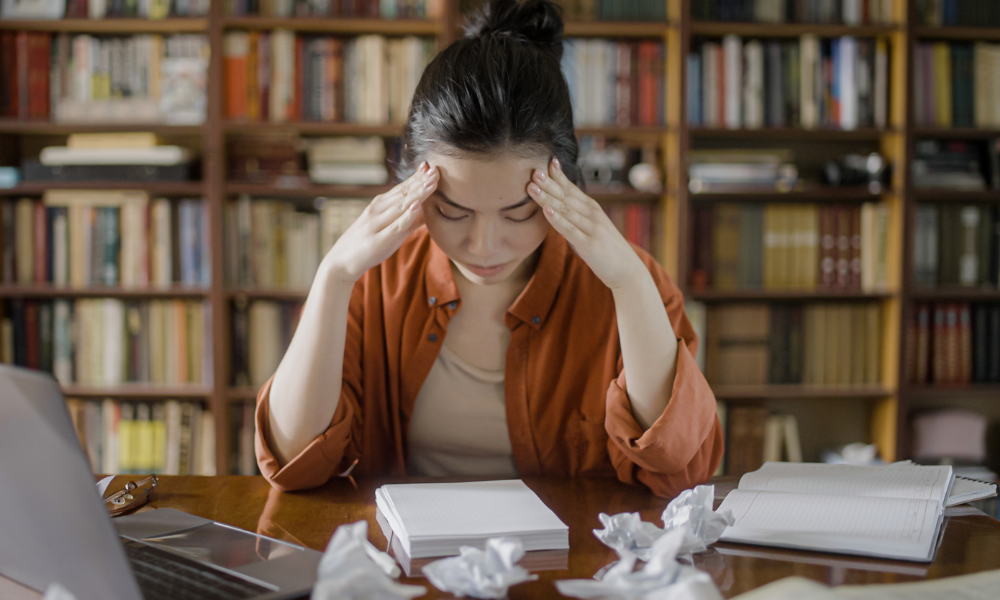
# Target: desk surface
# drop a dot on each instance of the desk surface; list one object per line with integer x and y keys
{"x": 971, "y": 541}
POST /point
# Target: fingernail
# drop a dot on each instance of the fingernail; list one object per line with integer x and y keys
{"x": 555, "y": 163}
{"x": 423, "y": 166}
{"x": 540, "y": 174}
{"x": 430, "y": 183}
{"x": 415, "y": 206}
{"x": 534, "y": 189}
{"x": 548, "y": 210}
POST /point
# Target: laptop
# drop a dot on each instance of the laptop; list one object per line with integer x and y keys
{"x": 54, "y": 527}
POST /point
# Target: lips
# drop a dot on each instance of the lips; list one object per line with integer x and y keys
{"x": 486, "y": 271}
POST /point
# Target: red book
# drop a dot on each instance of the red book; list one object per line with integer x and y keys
{"x": 31, "y": 338}
{"x": 9, "y": 94}
{"x": 855, "y": 283}
{"x": 22, "y": 74}
{"x": 41, "y": 244}
{"x": 701, "y": 269}
{"x": 264, "y": 75}
{"x": 253, "y": 77}
{"x": 39, "y": 66}
{"x": 297, "y": 91}
{"x": 646, "y": 84}
{"x": 623, "y": 65}
{"x": 234, "y": 73}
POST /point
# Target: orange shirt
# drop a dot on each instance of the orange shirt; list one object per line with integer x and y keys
{"x": 567, "y": 408}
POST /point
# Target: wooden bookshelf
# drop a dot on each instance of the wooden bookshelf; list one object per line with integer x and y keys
{"x": 811, "y": 194}
{"x": 138, "y": 391}
{"x": 955, "y": 294}
{"x": 305, "y": 191}
{"x": 41, "y": 127}
{"x": 291, "y": 295}
{"x": 46, "y": 290}
{"x": 756, "y": 295}
{"x": 820, "y": 134}
{"x": 354, "y": 26}
{"x": 180, "y": 188}
{"x": 599, "y": 29}
{"x": 944, "y": 195}
{"x": 789, "y": 391}
{"x": 111, "y": 25}
{"x": 786, "y": 30}
{"x": 984, "y": 34}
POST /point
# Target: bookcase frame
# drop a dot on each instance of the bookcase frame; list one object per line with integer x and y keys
{"x": 888, "y": 404}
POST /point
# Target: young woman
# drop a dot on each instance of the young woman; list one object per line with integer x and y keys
{"x": 485, "y": 317}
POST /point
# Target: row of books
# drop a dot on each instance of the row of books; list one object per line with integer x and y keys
{"x": 954, "y": 344}
{"x": 24, "y": 81}
{"x": 954, "y": 84}
{"x": 755, "y": 436}
{"x": 957, "y": 164}
{"x": 615, "y": 82}
{"x": 847, "y": 12}
{"x": 347, "y": 161}
{"x": 371, "y": 9}
{"x": 242, "y": 428}
{"x": 780, "y": 246}
{"x": 614, "y": 10}
{"x": 956, "y": 245}
{"x": 145, "y": 9}
{"x": 281, "y": 76}
{"x": 144, "y": 78}
{"x": 971, "y": 13}
{"x": 837, "y": 83}
{"x": 82, "y": 238}
{"x": 635, "y": 221}
{"x": 831, "y": 344}
{"x": 169, "y": 438}
{"x": 262, "y": 330}
{"x": 108, "y": 342}
{"x": 270, "y": 244}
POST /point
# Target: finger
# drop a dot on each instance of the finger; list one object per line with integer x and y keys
{"x": 402, "y": 189}
{"x": 571, "y": 232}
{"x": 403, "y": 225}
{"x": 408, "y": 199}
{"x": 572, "y": 195}
{"x": 570, "y": 213}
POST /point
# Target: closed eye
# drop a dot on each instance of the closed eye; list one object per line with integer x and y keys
{"x": 445, "y": 215}
{"x": 533, "y": 212}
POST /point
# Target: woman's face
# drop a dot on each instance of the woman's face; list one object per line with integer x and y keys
{"x": 481, "y": 216}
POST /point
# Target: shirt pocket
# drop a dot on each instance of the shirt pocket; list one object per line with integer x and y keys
{"x": 589, "y": 448}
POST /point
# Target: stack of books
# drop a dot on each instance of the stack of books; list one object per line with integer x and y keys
{"x": 347, "y": 161}
{"x": 111, "y": 157}
{"x": 847, "y": 12}
{"x": 83, "y": 238}
{"x": 615, "y": 82}
{"x": 956, "y": 245}
{"x": 791, "y": 246}
{"x": 268, "y": 244}
{"x": 814, "y": 344}
{"x": 169, "y": 438}
{"x": 282, "y": 76}
{"x": 839, "y": 83}
{"x": 722, "y": 171}
{"x": 953, "y": 165}
{"x": 956, "y": 343}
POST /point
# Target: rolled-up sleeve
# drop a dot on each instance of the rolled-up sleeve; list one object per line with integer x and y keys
{"x": 338, "y": 446}
{"x": 684, "y": 446}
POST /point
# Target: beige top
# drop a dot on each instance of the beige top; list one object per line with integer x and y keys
{"x": 459, "y": 422}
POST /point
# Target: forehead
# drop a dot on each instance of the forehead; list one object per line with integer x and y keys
{"x": 482, "y": 183}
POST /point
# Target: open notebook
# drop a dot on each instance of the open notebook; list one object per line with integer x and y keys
{"x": 436, "y": 519}
{"x": 889, "y": 512}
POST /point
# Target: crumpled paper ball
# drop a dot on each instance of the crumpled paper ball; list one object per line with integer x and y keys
{"x": 353, "y": 569}
{"x": 481, "y": 573}
{"x": 628, "y": 535}
{"x": 661, "y": 578}
{"x": 58, "y": 592}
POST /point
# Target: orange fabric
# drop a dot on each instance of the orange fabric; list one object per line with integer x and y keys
{"x": 567, "y": 409}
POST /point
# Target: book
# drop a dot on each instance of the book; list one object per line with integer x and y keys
{"x": 435, "y": 519}
{"x": 887, "y": 512}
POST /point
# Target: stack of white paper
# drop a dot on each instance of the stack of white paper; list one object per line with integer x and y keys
{"x": 436, "y": 519}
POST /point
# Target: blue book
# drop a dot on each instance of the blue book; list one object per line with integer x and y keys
{"x": 694, "y": 89}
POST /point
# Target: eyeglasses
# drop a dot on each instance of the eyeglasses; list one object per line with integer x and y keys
{"x": 132, "y": 496}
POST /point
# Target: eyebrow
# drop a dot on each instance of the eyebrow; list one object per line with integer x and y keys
{"x": 448, "y": 200}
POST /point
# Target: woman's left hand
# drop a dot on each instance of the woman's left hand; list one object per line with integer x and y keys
{"x": 585, "y": 225}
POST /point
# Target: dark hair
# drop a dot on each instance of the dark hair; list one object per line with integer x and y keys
{"x": 499, "y": 89}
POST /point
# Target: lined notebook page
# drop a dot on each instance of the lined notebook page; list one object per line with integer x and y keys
{"x": 893, "y": 520}
{"x": 917, "y": 482}
{"x": 469, "y": 509}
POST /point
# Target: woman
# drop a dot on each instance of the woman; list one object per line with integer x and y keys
{"x": 483, "y": 317}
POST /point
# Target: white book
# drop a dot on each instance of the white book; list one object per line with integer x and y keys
{"x": 205, "y": 446}
{"x": 850, "y": 12}
{"x": 881, "y": 90}
{"x": 62, "y": 343}
{"x": 848, "y": 48}
{"x": 156, "y": 156}
{"x": 710, "y": 84}
{"x": 436, "y": 519}
{"x": 109, "y": 447}
{"x": 809, "y": 59}
{"x": 60, "y": 249}
{"x": 889, "y": 512}
{"x": 963, "y": 587}
{"x": 113, "y": 339}
{"x": 732, "y": 48}
{"x": 348, "y": 174}
{"x": 172, "y": 464}
{"x": 753, "y": 89}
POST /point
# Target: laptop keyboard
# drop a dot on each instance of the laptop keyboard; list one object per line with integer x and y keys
{"x": 165, "y": 576}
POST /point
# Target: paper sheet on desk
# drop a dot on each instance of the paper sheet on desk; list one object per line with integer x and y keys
{"x": 979, "y": 586}
{"x": 102, "y": 485}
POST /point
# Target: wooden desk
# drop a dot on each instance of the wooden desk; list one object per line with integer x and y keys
{"x": 971, "y": 542}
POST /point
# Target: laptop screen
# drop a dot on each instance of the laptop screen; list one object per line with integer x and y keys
{"x": 223, "y": 546}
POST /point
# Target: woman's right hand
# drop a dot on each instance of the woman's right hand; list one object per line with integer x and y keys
{"x": 382, "y": 227}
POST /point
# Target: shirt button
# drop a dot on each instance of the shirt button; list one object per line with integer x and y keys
{"x": 433, "y": 337}
{"x": 536, "y": 320}
{"x": 434, "y": 300}
{"x": 452, "y": 305}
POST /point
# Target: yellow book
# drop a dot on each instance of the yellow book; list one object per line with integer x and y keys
{"x": 195, "y": 338}
{"x": 130, "y": 139}
{"x": 873, "y": 342}
{"x": 810, "y": 217}
{"x": 126, "y": 439}
{"x": 942, "y": 83}
{"x": 158, "y": 424}
{"x": 158, "y": 9}
{"x": 25, "y": 240}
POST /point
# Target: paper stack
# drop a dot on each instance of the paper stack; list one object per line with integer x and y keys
{"x": 436, "y": 519}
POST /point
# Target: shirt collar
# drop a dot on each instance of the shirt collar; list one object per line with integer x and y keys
{"x": 532, "y": 306}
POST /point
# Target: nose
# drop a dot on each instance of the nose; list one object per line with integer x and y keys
{"x": 483, "y": 238}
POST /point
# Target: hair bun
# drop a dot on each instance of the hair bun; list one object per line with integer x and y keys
{"x": 537, "y": 22}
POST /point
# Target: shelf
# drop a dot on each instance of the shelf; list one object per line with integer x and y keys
{"x": 955, "y": 133}
{"x": 145, "y": 391}
{"x": 307, "y": 128}
{"x": 241, "y": 393}
{"x": 312, "y": 191}
{"x": 790, "y": 133}
{"x": 810, "y": 194}
{"x": 789, "y": 30}
{"x": 936, "y": 393}
{"x": 947, "y": 195}
{"x": 952, "y": 32}
{"x": 336, "y": 25}
{"x": 18, "y": 126}
{"x": 808, "y": 295}
{"x": 627, "y": 195}
{"x": 110, "y": 25}
{"x": 650, "y": 134}
{"x": 268, "y": 294}
{"x": 35, "y": 188}
{"x": 46, "y": 290}
{"x": 785, "y": 391}
{"x": 605, "y": 29}
{"x": 956, "y": 294}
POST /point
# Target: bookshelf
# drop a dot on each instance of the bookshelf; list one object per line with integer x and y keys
{"x": 880, "y": 411}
